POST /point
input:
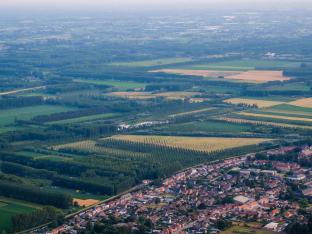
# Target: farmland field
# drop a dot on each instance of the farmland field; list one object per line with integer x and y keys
{"x": 258, "y": 122}
{"x": 85, "y": 118}
{"x": 151, "y": 63}
{"x": 203, "y": 144}
{"x": 258, "y": 76}
{"x": 244, "y": 65}
{"x": 251, "y": 76}
{"x": 11, "y": 207}
{"x": 148, "y": 95}
{"x": 259, "y": 103}
{"x": 118, "y": 84}
{"x": 209, "y": 126}
{"x": 305, "y": 102}
{"x": 26, "y": 113}
{"x": 272, "y": 116}
{"x": 289, "y": 87}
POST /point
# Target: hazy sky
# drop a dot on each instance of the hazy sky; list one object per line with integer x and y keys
{"x": 149, "y": 3}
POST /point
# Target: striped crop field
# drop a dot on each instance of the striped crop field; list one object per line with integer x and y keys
{"x": 202, "y": 144}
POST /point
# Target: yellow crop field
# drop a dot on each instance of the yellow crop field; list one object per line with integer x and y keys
{"x": 276, "y": 117}
{"x": 85, "y": 202}
{"x": 252, "y": 76}
{"x": 204, "y": 144}
{"x": 239, "y": 121}
{"x": 259, "y": 76}
{"x": 305, "y": 102}
{"x": 259, "y": 103}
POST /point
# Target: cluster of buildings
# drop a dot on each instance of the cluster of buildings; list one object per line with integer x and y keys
{"x": 237, "y": 190}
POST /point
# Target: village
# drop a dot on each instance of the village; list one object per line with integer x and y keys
{"x": 212, "y": 197}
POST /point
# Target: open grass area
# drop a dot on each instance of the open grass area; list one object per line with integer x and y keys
{"x": 85, "y": 118}
{"x": 286, "y": 108}
{"x": 118, "y": 84}
{"x": 202, "y": 144}
{"x": 12, "y": 207}
{"x": 26, "y": 113}
{"x": 300, "y": 86}
{"x": 152, "y": 63}
{"x": 244, "y": 230}
{"x": 259, "y": 103}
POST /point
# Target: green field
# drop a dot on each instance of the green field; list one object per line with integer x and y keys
{"x": 209, "y": 126}
{"x": 11, "y": 207}
{"x": 244, "y": 65}
{"x": 291, "y": 108}
{"x": 26, "y": 113}
{"x": 152, "y": 63}
{"x": 118, "y": 84}
{"x": 85, "y": 118}
{"x": 289, "y": 87}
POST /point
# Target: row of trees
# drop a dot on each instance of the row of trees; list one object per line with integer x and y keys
{"x": 32, "y": 194}
{"x": 48, "y": 214}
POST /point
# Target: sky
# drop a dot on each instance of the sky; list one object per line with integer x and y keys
{"x": 151, "y": 3}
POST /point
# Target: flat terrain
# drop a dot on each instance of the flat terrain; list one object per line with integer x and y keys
{"x": 86, "y": 202}
{"x": 244, "y": 65}
{"x": 276, "y": 117}
{"x": 85, "y": 118}
{"x": 251, "y": 76}
{"x": 114, "y": 83}
{"x": 259, "y": 103}
{"x": 149, "y": 95}
{"x": 26, "y": 113}
{"x": 152, "y": 63}
{"x": 10, "y": 207}
{"x": 259, "y": 76}
{"x": 204, "y": 144}
{"x": 305, "y": 102}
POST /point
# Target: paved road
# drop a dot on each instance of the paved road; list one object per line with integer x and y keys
{"x": 21, "y": 90}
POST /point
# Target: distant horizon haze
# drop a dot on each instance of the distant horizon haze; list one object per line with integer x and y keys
{"x": 132, "y": 4}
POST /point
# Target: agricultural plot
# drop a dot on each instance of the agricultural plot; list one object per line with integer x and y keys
{"x": 201, "y": 144}
{"x": 123, "y": 85}
{"x": 149, "y": 95}
{"x": 259, "y": 103}
{"x": 85, "y": 202}
{"x": 300, "y": 86}
{"x": 266, "y": 123}
{"x": 305, "y": 102}
{"x": 91, "y": 146}
{"x": 272, "y": 116}
{"x": 258, "y": 76}
{"x": 208, "y": 127}
{"x": 86, "y": 118}
{"x": 251, "y": 76}
{"x": 12, "y": 207}
{"x": 245, "y": 65}
{"x": 26, "y": 113}
{"x": 152, "y": 63}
